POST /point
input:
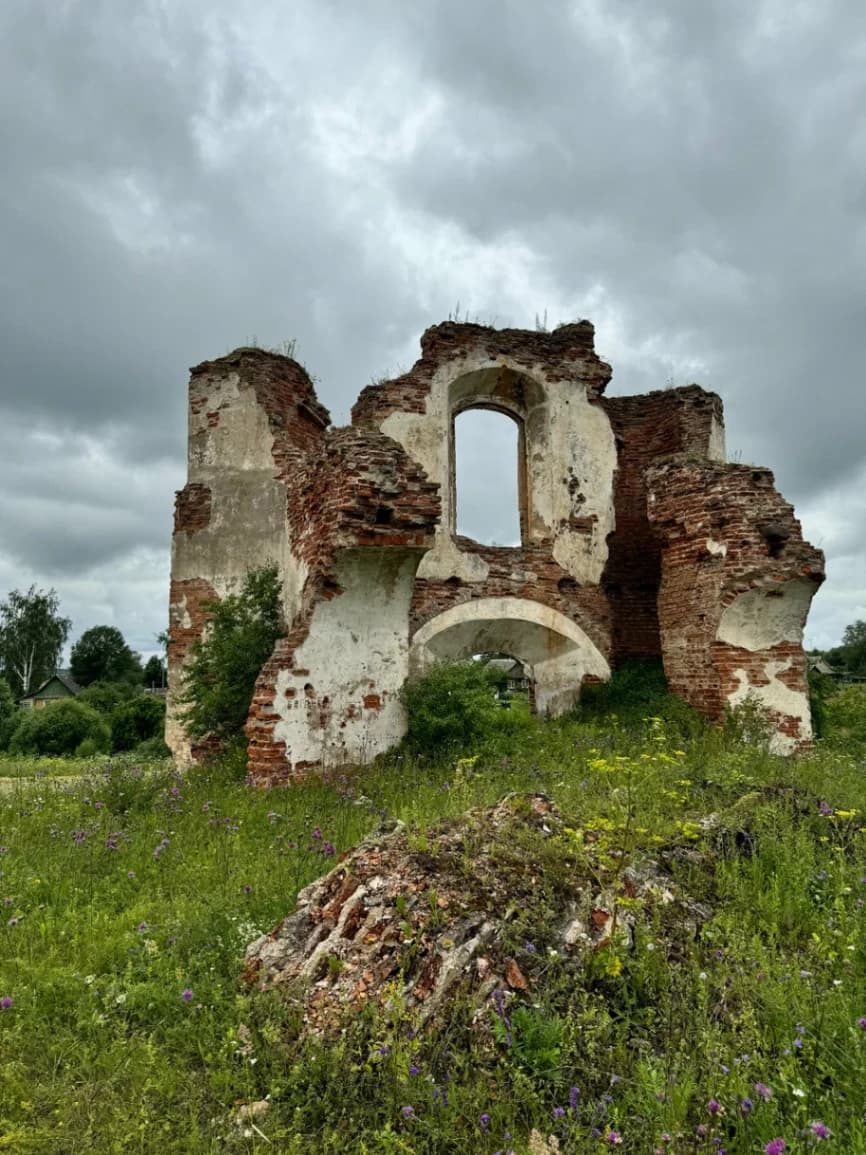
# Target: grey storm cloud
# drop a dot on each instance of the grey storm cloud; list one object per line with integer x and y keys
{"x": 180, "y": 179}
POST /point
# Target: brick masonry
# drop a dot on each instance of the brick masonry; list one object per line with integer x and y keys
{"x": 638, "y": 541}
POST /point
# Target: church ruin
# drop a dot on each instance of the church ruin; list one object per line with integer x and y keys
{"x": 638, "y": 540}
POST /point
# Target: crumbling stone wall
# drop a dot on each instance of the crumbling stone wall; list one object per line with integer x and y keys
{"x": 619, "y": 498}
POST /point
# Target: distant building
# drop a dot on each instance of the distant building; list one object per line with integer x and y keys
{"x": 818, "y": 664}
{"x": 60, "y": 685}
{"x": 514, "y": 671}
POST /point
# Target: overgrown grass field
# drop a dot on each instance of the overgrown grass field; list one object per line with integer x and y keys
{"x": 129, "y": 895}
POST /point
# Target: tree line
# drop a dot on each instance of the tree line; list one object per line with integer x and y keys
{"x": 33, "y": 633}
{"x": 110, "y": 713}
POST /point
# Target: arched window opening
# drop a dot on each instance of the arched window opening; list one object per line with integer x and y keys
{"x": 487, "y": 446}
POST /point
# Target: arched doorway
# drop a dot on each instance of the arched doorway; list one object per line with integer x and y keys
{"x": 556, "y": 652}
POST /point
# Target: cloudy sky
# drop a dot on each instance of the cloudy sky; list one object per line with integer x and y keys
{"x": 183, "y": 177}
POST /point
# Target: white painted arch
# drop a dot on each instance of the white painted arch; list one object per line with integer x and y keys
{"x": 555, "y": 649}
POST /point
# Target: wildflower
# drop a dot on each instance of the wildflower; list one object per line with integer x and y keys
{"x": 861, "y": 1023}
{"x": 317, "y": 837}
{"x": 248, "y": 889}
{"x": 78, "y": 836}
{"x": 413, "y": 1070}
{"x": 142, "y": 927}
{"x": 746, "y": 1106}
{"x": 820, "y": 1130}
{"x": 574, "y": 1098}
{"x": 701, "y": 1131}
{"x": 328, "y": 849}
{"x": 558, "y": 1112}
{"x": 130, "y": 874}
{"x": 775, "y": 1146}
{"x": 6, "y": 1003}
{"x": 408, "y": 1112}
{"x": 614, "y": 1079}
{"x": 614, "y": 1138}
{"x": 384, "y": 1050}
{"x": 825, "y": 810}
{"x": 13, "y": 921}
{"x": 484, "y": 1121}
{"x": 714, "y": 1107}
{"x": 763, "y": 1092}
{"x": 529, "y": 946}
{"x": 798, "y": 1092}
{"x": 186, "y": 995}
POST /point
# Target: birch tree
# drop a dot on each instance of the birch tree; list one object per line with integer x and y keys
{"x": 32, "y": 636}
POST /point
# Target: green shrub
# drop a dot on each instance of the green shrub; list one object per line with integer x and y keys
{"x": 452, "y": 706}
{"x": 222, "y": 674}
{"x": 638, "y": 690}
{"x": 9, "y": 712}
{"x": 845, "y": 716}
{"x": 106, "y": 696}
{"x": 60, "y": 728}
{"x": 137, "y": 721}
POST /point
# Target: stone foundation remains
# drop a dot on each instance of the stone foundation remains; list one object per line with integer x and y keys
{"x": 637, "y": 541}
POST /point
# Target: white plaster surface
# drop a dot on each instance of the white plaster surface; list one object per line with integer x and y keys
{"x": 358, "y": 645}
{"x": 562, "y": 429}
{"x": 557, "y": 651}
{"x": 716, "y": 450}
{"x": 778, "y": 698}
{"x": 766, "y": 616}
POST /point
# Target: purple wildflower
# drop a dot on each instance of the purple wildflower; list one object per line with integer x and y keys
{"x": 825, "y": 810}
{"x": 764, "y": 1092}
{"x": 861, "y": 1023}
{"x": 484, "y": 1121}
{"x": 328, "y": 849}
{"x": 574, "y": 1098}
{"x": 746, "y": 1106}
{"x": 775, "y": 1146}
{"x": 248, "y": 889}
{"x": 142, "y": 927}
{"x": 529, "y": 946}
{"x": 558, "y": 1112}
{"x": 820, "y": 1130}
{"x": 78, "y": 836}
{"x": 384, "y": 1050}
{"x": 701, "y": 1131}
{"x": 714, "y": 1107}
{"x": 186, "y": 995}
{"x": 614, "y": 1138}
{"x": 408, "y": 1112}
{"x": 413, "y": 1070}
{"x": 6, "y": 1003}
{"x": 317, "y": 837}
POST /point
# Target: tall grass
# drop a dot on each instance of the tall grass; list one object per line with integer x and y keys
{"x": 129, "y": 895}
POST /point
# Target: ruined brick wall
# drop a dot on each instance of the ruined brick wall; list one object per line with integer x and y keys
{"x": 359, "y": 492}
{"x": 253, "y": 421}
{"x": 647, "y": 429}
{"x": 737, "y": 580}
{"x": 635, "y": 542}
